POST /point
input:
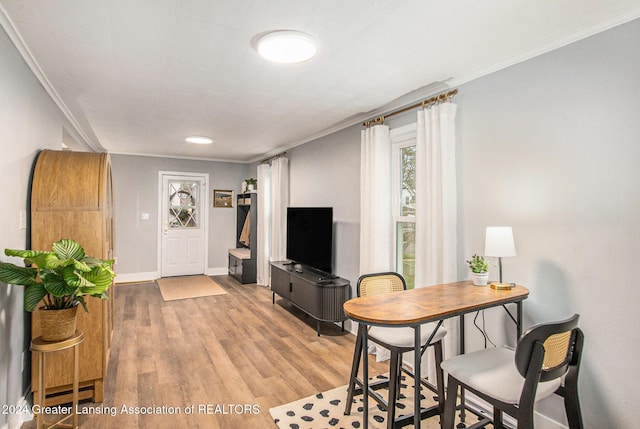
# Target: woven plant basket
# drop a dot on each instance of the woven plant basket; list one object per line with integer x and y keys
{"x": 58, "y": 325}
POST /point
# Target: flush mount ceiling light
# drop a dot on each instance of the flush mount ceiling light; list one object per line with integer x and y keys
{"x": 286, "y": 46}
{"x": 199, "y": 140}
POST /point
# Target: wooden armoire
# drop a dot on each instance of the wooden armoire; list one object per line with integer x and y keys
{"x": 71, "y": 197}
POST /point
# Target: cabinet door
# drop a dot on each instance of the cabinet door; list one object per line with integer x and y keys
{"x": 235, "y": 267}
{"x": 307, "y": 296}
{"x": 280, "y": 280}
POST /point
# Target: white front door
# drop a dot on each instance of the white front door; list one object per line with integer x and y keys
{"x": 183, "y": 224}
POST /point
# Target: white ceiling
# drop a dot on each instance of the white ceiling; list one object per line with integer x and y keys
{"x": 138, "y": 76}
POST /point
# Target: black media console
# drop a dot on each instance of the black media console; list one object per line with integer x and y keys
{"x": 319, "y": 295}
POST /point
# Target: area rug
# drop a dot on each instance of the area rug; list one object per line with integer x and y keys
{"x": 174, "y": 288}
{"x": 326, "y": 410}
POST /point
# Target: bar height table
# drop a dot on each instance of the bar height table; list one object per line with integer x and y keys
{"x": 416, "y": 307}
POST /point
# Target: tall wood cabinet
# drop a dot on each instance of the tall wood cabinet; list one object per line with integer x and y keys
{"x": 71, "y": 197}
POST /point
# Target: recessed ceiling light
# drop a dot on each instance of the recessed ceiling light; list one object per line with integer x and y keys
{"x": 287, "y": 46}
{"x": 199, "y": 140}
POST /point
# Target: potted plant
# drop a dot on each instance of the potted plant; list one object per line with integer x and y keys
{"x": 251, "y": 184}
{"x": 479, "y": 270}
{"x": 59, "y": 279}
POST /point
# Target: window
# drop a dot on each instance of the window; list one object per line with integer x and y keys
{"x": 404, "y": 200}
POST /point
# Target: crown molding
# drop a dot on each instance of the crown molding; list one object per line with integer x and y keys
{"x": 188, "y": 158}
{"x": 406, "y": 100}
{"x": 24, "y": 51}
{"x": 454, "y": 82}
{"x": 552, "y": 46}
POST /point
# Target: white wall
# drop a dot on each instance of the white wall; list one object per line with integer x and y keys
{"x": 327, "y": 174}
{"x": 550, "y": 147}
{"x": 29, "y": 121}
{"x": 135, "y": 189}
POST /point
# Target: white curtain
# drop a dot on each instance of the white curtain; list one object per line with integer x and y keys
{"x": 436, "y": 207}
{"x": 279, "y": 204}
{"x": 263, "y": 272}
{"x": 376, "y": 245}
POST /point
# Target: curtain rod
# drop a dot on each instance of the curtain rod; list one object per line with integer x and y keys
{"x": 445, "y": 96}
{"x": 278, "y": 155}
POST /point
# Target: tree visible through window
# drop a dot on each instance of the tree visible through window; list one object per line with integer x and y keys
{"x": 405, "y": 223}
{"x": 408, "y": 182}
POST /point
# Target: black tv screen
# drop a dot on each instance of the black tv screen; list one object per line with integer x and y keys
{"x": 310, "y": 236}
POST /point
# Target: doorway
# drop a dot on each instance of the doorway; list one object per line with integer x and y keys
{"x": 183, "y": 218}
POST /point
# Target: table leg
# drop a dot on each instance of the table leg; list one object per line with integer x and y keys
{"x": 41, "y": 386}
{"x": 365, "y": 377}
{"x": 417, "y": 357}
{"x": 463, "y": 413}
{"x": 519, "y": 321}
{"x": 76, "y": 378}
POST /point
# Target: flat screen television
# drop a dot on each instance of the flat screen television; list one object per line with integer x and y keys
{"x": 310, "y": 236}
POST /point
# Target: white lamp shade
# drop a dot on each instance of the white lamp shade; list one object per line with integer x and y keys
{"x": 498, "y": 242}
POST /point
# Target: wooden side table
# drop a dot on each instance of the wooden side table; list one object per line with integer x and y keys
{"x": 40, "y": 348}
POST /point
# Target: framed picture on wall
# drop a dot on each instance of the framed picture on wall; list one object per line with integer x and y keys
{"x": 222, "y": 198}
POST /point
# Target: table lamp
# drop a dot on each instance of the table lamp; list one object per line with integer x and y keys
{"x": 499, "y": 243}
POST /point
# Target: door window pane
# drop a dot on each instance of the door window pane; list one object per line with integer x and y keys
{"x": 184, "y": 202}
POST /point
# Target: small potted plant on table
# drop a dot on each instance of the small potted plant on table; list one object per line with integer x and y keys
{"x": 60, "y": 279}
{"x": 479, "y": 270}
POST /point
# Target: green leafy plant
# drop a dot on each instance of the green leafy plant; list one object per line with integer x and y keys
{"x": 60, "y": 278}
{"x": 251, "y": 181}
{"x": 477, "y": 264}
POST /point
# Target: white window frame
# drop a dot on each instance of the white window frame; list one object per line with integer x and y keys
{"x": 401, "y": 138}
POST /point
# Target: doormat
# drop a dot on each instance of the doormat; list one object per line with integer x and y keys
{"x": 326, "y": 410}
{"x": 174, "y": 288}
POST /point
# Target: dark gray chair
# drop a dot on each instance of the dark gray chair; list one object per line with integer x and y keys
{"x": 512, "y": 381}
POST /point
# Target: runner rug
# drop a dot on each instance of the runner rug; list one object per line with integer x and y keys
{"x": 174, "y": 288}
{"x": 326, "y": 410}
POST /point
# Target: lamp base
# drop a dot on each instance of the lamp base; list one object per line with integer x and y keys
{"x": 502, "y": 286}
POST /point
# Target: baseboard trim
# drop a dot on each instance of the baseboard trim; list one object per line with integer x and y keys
{"x": 154, "y": 275}
{"x": 137, "y": 277}
{"x": 220, "y": 271}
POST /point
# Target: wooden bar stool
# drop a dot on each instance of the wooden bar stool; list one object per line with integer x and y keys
{"x": 40, "y": 348}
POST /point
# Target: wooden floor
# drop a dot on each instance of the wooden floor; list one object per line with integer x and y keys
{"x": 230, "y": 357}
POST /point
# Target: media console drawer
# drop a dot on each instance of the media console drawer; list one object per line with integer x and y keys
{"x": 307, "y": 289}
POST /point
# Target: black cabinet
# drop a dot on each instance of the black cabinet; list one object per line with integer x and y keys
{"x": 319, "y": 295}
{"x": 240, "y": 265}
{"x": 281, "y": 282}
{"x": 242, "y": 260}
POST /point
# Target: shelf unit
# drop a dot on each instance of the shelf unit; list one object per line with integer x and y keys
{"x": 242, "y": 260}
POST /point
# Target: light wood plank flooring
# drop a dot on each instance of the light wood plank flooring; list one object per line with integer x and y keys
{"x": 230, "y": 356}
